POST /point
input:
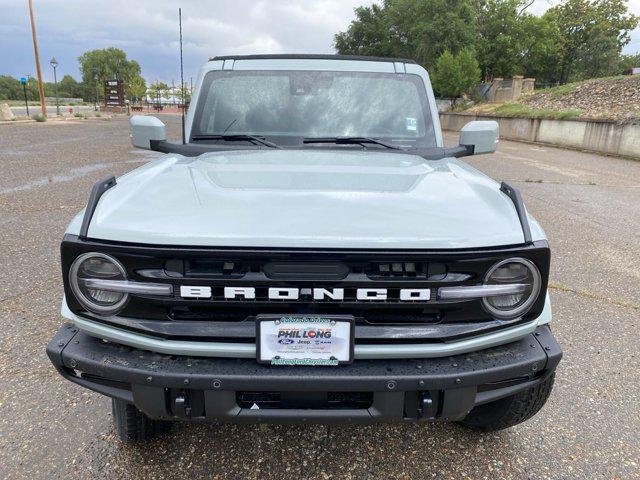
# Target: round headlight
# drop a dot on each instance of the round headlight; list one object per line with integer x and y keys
{"x": 97, "y": 265}
{"x": 513, "y": 271}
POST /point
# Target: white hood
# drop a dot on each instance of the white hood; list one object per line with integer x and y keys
{"x": 307, "y": 198}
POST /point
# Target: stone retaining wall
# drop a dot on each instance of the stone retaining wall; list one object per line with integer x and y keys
{"x": 591, "y": 135}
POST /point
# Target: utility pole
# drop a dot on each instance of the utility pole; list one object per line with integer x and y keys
{"x": 35, "y": 51}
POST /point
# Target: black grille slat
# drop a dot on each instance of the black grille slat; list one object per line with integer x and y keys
{"x": 305, "y": 271}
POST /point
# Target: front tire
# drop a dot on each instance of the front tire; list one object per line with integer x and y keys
{"x": 510, "y": 411}
{"x": 133, "y": 426}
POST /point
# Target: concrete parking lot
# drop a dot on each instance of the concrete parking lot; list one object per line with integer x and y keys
{"x": 590, "y": 428}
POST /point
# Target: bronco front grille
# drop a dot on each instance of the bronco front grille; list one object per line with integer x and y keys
{"x": 304, "y": 270}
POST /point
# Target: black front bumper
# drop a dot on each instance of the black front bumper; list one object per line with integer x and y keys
{"x": 189, "y": 388}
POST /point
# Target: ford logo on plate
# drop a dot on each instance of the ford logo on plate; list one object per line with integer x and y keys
{"x": 285, "y": 341}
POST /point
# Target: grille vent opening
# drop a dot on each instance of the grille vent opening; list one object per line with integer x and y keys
{"x": 205, "y": 268}
{"x": 398, "y": 270}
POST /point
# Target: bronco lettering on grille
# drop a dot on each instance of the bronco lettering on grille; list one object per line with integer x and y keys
{"x": 306, "y": 294}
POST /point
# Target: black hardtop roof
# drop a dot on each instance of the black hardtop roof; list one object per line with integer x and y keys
{"x": 311, "y": 56}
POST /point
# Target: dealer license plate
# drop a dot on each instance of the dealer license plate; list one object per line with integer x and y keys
{"x": 304, "y": 340}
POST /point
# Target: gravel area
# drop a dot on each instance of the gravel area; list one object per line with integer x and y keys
{"x": 590, "y": 428}
{"x": 610, "y": 98}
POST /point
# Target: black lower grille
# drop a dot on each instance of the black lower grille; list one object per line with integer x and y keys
{"x": 304, "y": 400}
{"x": 370, "y": 316}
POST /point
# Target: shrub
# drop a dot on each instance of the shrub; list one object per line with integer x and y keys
{"x": 38, "y": 117}
{"x": 455, "y": 75}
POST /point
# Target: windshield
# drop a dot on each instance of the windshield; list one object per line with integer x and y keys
{"x": 301, "y": 104}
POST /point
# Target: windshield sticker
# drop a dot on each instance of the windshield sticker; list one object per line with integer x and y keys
{"x": 412, "y": 124}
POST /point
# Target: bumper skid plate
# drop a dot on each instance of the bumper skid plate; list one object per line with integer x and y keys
{"x": 195, "y": 388}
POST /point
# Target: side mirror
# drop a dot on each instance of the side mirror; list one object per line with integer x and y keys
{"x": 145, "y": 128}
{"x": 482, "y": 136}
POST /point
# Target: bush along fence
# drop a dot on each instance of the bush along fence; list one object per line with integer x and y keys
{"x": 599, "y": 136}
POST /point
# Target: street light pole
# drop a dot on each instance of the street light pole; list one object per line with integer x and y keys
{"x": 54, "y": 64}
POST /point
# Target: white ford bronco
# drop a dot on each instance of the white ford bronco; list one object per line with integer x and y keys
{"x": 311, "y": 252}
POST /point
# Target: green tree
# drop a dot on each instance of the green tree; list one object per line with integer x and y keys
{"x": 137, "y": 89}
{"x": 184, "y": 90}
{"x": 470, "y": 70}
{"x": 539, "y": 53}
{"x": 592, "y": 35}
{"x": 158, "y": 90}
{"x": 111, "y": 63}
{"x": 69, "y": 87}
{"x": 417, "y": 29}
{"x": 511, "y": 41}
{"x": 10, "y": 88}
{"x": 455, "y": 75}
{"x": 447, "y": 76}
{"x": 498, "y": 26}
{"x": 628, "y": 61}
{"x": 368, "y": 34}
{"x": 575, "y": 40}
{"x": 428, "y": 28}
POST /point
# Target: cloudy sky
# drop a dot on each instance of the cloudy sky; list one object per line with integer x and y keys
{"x": 147, "y": 31}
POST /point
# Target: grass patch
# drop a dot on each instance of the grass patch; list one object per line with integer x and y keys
{"x": 561, "y": 90}
{"x": 79, "y": 115}
{"x": 38, "y": 117}
{"x": 518, "y": 110}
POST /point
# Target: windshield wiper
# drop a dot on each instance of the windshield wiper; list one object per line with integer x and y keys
{"x": 349, "y": 141}
{"x": 231, "y": 137}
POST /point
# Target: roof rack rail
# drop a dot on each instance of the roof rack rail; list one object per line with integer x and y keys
{"x": 514, "y": 194}
{"x": 310, "y": 56}
{"x": 96, "y": 192}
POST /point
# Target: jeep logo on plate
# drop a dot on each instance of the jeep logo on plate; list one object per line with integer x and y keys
{"x": 305, "y": 294}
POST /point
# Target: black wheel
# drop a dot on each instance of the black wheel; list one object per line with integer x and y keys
{"x": 510, "y": 411}
{"x": 133, "y": 426}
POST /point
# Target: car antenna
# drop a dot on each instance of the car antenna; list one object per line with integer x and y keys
{"x": 184, "y": 141}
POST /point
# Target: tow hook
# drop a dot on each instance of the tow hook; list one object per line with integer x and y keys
{"x": 182, "y": 406}
{"x": 426, "y": 406}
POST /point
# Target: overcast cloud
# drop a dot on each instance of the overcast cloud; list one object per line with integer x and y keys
{"x": 147, "y": 31}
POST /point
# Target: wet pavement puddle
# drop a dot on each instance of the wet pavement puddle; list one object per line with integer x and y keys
{"x": 75, "y": 173}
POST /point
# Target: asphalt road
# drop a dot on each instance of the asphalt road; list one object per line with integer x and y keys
{"x": 50, "y": 428}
